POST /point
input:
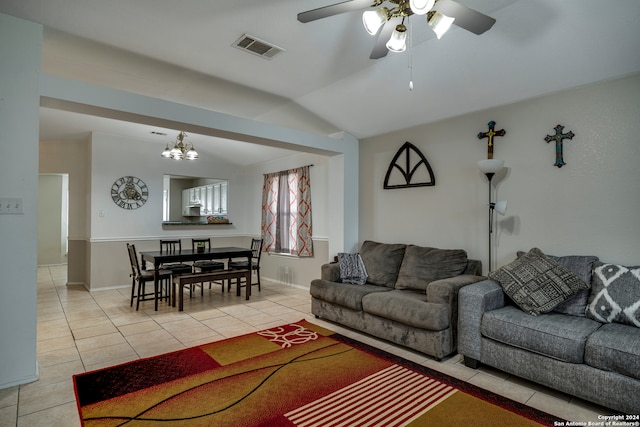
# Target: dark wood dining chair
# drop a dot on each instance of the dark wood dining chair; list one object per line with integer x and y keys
{"x": 205, "y": 266}
{"x": 176, "y": 268}
{"x": 139, "y": 279}
{"x": 256, "y": 252}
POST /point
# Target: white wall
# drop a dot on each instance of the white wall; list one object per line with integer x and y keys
{"x": 111, "y": 225}
{"x": 142, "y": 160}
{"x": 20, "y": 50}
{"x": 71, "y": 158}
{"x": 589, "y": 206}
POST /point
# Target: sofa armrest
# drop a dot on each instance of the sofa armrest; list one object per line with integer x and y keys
{"x": 475, "y": 300}
{"x": 445, "y": 291}
{"x": 330, "y": 272}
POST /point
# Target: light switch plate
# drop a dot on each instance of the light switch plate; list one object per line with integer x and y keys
{"x": 11, "y": 205}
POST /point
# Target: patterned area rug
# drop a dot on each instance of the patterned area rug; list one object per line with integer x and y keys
{"x": 295, "y": 375}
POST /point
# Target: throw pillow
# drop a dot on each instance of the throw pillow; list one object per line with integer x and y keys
{"x": 382, "y": 261}
{"x": 536, "y": 283}
{"x": 615, "y": 294}
{"x": 352, "y": 269}
{"x": 581, "y": 266}
{"x": 422, "y": 265}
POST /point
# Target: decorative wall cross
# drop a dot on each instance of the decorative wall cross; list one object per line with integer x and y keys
{"x": 558, "y": 137}
{"x": 489, "y": 135}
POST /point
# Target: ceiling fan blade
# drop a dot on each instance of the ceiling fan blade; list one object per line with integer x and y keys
{"x": 380, "y": 49}
{"x": 469, "y": 19}
{"x": 335, "y": 9}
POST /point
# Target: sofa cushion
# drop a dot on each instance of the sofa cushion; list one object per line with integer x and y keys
{"x": 615, "y": 294}
{"x": 423, "y": 265}
{"x": 382, "y": 261}
{"x": 344, "y": 294}
{"x": 536, "y": 283}
{"x": 615, "y": 347}
{"x": 352, "y": 269}
{"x": 409, "y": 308}
{"x": 553, "y": 335}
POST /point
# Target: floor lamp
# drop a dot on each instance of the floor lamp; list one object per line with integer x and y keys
{"x": 490, "y": 167}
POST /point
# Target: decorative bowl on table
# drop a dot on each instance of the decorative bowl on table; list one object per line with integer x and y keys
{"x": 215, "y": 219}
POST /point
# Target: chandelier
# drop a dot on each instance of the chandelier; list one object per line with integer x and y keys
{"x": 180, "y": 150}
{"x": 373, "y": 20}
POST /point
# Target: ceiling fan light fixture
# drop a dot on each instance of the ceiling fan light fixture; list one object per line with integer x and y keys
{"x": 421, "y": 7}
{"x": 440, "y": 23}
{"x": 398, "y": 40}
{"x": 374, "y": 19}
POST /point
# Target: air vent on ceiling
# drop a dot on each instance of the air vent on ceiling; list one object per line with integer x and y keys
{"x": 256, "y": 46}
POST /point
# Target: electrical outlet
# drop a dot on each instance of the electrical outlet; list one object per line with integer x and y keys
{"x": 11, "y": 205}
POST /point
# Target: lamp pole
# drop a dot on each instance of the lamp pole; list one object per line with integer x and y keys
{"x": 490, "y": 177}
{"x": 490, "y": 167}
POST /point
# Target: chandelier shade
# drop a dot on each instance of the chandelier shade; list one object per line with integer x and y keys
{"x": 180, "y": 149}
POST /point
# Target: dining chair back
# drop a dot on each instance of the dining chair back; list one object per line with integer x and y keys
{"x": 204, "y": 266}
{"x": 256, "y": 253}
{"x": 176, "y": 268}
{"x": 140, "y": 278}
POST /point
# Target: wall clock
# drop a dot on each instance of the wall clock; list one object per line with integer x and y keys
{"x": 129, "y": 192}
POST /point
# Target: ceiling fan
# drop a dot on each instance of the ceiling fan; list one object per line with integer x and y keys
{"x": 388, "y": 22}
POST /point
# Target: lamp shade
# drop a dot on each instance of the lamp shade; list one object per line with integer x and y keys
{"x": 421, "y": 7}
{"x": 397, "y": 42}
{"x": 440, "y": 23}
{"x": 501, "y": 207}
{"x": 373, "y": 19}
{"x": 490, "y": 165}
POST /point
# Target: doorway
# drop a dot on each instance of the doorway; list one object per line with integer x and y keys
{"x": 53, "y": 219}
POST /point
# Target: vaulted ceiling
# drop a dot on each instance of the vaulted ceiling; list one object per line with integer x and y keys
{"x": 324, "y": 81}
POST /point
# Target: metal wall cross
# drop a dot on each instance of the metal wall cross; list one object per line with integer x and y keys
{"x": 558, "y": 137}
{"x": 490, "y": 134}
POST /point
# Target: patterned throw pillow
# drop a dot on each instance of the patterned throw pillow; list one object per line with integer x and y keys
{"x": 615, "y": 294}
{"x": 352, "y": 269}
{"x": 582, "y": 266}
{"x": 536, "y": 283}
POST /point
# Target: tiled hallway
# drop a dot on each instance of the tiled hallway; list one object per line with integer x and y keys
{"x": 80, "y": 331}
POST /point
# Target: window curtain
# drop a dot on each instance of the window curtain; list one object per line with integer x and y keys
{"x": 286, "y": 212}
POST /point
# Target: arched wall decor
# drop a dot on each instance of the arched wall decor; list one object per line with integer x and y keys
{"x": 406, "y": 165}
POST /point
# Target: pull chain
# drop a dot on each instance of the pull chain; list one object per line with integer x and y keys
{"x": 410, "y": 55}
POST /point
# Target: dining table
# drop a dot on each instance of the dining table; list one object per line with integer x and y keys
{"x": 158, "y": 258}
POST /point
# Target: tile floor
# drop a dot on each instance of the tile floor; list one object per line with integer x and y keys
{"x": 80, "y": 331}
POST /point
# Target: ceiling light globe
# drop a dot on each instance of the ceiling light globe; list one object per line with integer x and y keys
{"x": 398, "y": 40}
{"x": 166, "y": 153}
{"x": 421, "y": 7}
{"x": 191, "y": 155}
{"x": 374, "y": 19}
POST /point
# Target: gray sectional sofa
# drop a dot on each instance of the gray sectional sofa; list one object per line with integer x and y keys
{"x": 409, "y": 295}
{"x": 587, "y": 346}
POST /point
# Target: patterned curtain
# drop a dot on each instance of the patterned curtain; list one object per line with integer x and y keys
{"x": 286, "y": 212}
